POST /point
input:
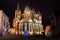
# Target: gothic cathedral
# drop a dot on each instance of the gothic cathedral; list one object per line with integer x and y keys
{"x": 28, "y": 22}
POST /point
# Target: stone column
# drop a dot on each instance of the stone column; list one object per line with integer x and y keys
{"x": 25, "y": 25}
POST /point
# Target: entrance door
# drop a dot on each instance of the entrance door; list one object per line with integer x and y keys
{"x": 25, "y": 29}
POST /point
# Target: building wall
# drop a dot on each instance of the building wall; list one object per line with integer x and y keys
{"x": 0, "y": 21}
{"x": 5, "y": 25}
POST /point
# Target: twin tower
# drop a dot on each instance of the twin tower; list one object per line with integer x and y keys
{"x": 29, "y": 22}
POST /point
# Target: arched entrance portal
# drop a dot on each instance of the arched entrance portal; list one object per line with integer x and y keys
{"x": 25, "y": 27}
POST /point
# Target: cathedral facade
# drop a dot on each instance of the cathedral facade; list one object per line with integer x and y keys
{"x": 29, "y": 21}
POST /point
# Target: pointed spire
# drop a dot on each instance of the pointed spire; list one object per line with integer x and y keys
{"x": 18, "y": 6}
{"x": 28, "y": 5}
{"x": 33, "y": 10}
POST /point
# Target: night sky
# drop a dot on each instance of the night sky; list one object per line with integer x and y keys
{"x": 44, "y": 6}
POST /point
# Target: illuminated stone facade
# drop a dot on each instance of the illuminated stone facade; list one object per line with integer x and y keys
{"x": 4, "y": 23}
{"x": 28, "y": 20}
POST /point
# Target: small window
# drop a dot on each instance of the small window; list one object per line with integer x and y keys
{"x": 4, "y": 22}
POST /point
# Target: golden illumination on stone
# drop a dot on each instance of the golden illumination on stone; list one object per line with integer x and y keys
{"x": 28, "y": 20}
{"x": 12, "y": 30}
{"x": 48, "y": 31}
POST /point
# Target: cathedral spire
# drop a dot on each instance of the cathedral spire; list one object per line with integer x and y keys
{"x": 18, "y": 6}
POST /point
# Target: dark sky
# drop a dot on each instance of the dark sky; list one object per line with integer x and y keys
{"x": 45, "y": 6}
